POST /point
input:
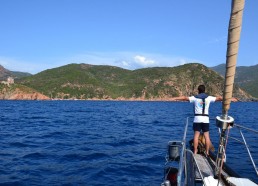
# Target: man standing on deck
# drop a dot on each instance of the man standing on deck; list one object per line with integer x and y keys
{"x": 201, "y": 115}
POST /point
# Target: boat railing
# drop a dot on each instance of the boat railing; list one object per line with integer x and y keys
{"x": 182, "y": 155}
{"x": 178, "y": 150}
{"x": 243, "y": 142}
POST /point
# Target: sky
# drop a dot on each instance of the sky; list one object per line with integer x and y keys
{"x": 36, "y": 35}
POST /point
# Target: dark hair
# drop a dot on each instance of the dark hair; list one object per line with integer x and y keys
{"x": 201, "y": 89}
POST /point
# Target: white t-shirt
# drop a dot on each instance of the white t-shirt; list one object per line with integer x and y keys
{"x": 198, "y": 107}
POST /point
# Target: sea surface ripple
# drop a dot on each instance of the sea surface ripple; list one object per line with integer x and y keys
{"x": 103, "y": 142}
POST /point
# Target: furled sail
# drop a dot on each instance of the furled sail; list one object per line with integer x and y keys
{"x": 234, "y": 30}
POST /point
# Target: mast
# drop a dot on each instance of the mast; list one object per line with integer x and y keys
{"x": 234, "y": 30}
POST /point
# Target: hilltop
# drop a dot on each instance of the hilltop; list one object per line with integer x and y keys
{"x": 4, "y": 74}
{"x": 84, "y": 81}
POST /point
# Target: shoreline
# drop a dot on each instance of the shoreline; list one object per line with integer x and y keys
{"x": 126, "y": 100}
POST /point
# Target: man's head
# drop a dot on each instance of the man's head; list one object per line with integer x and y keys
{"x": 201, "y": 89}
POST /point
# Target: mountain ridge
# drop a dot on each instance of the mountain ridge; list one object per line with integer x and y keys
{"x": 94, "y": 82}
{"x": 85, "y": 81}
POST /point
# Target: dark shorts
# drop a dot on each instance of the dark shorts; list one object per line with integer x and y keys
{"x": 204, "y": 127}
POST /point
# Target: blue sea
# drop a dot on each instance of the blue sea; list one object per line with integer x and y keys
{"x": 105, "y": 142}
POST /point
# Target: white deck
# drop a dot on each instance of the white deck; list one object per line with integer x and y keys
{"x": 208, "y": 174}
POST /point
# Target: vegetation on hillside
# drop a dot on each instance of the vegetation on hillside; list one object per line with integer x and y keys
{"x": 83, "y": 81}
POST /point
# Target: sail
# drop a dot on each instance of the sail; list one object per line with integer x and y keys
{"x": 234, "y": 30}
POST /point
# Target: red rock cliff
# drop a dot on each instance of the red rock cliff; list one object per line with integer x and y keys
{"x": 20, "y": 93}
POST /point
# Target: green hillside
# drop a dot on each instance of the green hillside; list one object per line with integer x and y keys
{"x": 83, "y": 81}
{"x": 246, "y": 77}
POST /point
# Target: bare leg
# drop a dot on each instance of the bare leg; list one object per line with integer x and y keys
{"x": 196, "y": 138}
{"x": 207, "y": 141}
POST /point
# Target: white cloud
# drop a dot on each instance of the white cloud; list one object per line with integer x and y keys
{"x": 141, "y": 60}
{"x": 128, "y": 60}
{"x": 124, "y": 63}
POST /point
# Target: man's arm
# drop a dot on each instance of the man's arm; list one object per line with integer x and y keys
{"x": 220, "y": 98}
{"x": 180, "y": 98}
